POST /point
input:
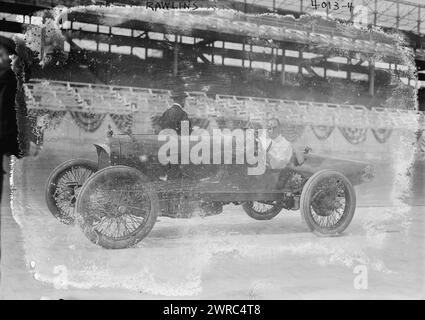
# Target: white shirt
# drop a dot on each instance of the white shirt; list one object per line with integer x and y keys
{"x": 279, "y": 151}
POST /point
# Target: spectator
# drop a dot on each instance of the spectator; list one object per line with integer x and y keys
{"x": 173, "y": 116}
{"x": 9, "y": 144}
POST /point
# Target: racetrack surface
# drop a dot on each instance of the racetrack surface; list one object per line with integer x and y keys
{"x": 227, "y": 256}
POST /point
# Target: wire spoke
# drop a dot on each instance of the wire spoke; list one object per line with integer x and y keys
{"x": 120, "y": 211}
{"x": 329, "y": 203}
{"x": 64, "y": 194}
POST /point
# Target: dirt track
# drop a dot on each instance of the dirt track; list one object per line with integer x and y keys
{"x": 224, "y": 256}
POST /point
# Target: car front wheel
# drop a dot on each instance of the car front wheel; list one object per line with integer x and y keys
{"x": 328, "y": 202}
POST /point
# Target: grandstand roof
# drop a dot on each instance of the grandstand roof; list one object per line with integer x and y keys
{"x": 397, "y": 14}
{"x": 232, "y": 26}
{"x": 405, "y": 15}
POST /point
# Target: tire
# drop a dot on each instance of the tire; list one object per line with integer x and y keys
{"x": 117, "y": 196}
{"x": 319, "y": 202}
{"x": 64, "y": 181}
{"x": 249, "y": 208}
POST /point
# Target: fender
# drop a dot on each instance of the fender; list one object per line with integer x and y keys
{"x": 103, "y": 155}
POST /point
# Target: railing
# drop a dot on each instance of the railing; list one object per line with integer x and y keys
{"x": 95, "y": 98}
{"x": 145, "y": 102}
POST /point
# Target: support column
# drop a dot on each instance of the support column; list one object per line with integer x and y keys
{"x": 176, "y": 56}
{"x": 243, "y": 54}
{"x": 350, "y": 64}
{"x": 375, "y": 13}
{"x": 272, "y": 62}
{"x": 300, "y": 55}
{"x": 283, "y": 68}
{"x": 324, "y": 68}
{"x": 132, "y": 35}
{"x": 398, "y": 16}
{"x": 97, "y": 42}
{"x": 110, "y": 35}
{"x": 250, "y": 57}
{"x": 43, "y": 36}
{"x": 371, "y": 78}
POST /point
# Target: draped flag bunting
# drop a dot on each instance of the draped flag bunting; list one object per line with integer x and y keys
{"x": 354, "y": 135}
{"x": 89, "y": 122}
{"x": 43, "y": 119}
{"x": 124, "y": 122}
{"x": 322, "y": 132}
{"x": 292, "y": 131}
{"x": 40, "y": 120}
{"x": 155, "y": 120}
{"x": 47, "y": 119}
{"x": 381, "y": 135}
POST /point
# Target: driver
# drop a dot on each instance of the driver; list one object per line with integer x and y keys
{"x": 279, "y": 152}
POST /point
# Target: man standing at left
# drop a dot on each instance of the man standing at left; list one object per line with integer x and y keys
{"x": 9, "y": 144}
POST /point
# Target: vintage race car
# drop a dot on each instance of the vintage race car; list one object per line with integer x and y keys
{"x": 116, "y": 200}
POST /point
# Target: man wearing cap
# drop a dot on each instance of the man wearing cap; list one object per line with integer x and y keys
{"x": 174, "y": 115}
{"x": 9, "y": 144}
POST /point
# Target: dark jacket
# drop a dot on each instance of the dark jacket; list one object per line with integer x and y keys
{"x": 172, "y": 118}
{"x": 8, "y": 122}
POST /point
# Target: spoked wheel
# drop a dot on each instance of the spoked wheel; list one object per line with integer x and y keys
{"x": 117, "y": 207}
{"x": 262, "y": 210}
{"x": 328, "y": 202}
{"x": 63, "y": 186}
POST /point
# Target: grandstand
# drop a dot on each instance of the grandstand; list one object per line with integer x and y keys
{"x": 119, "y": 100}
{"x": 228, "y": 52}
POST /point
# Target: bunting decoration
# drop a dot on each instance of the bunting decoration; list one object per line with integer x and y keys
{"x": 43, "y": 119}
{"x": 124, "y": 122}
{"x": 89, "y": 122}
{"x": 155, "y": 120}
{"x": 48, "y": 101}
{"x": 322, "y": 132}
{"x": 47, "y": 119}
{"x": 291, "y": 131}
{"x": 354, "y": 135}
{"x": 381, "y": 134}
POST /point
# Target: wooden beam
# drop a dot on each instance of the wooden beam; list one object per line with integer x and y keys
{"x": 190, "y": 50}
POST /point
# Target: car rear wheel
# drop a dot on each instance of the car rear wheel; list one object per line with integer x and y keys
{"x": 262, "y": 210}
{"x": 117, "y": 207}
{"x": 328, "y": 202}
{"x": 63, "y": 186}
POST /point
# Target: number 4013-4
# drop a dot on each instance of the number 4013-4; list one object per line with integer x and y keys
{"x": 331, "y": 5}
